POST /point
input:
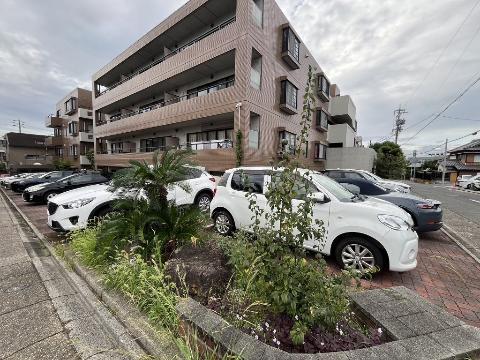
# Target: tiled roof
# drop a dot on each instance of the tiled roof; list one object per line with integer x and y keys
{"x": 473, "y": 145}
{"x": 457, "y": 165}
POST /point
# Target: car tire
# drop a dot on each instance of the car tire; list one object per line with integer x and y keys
{"x": 223, "y": 222}
{"x": 203, "y": 201}
{"x": 49, "y": 195}
{"x": 348, "y": 254}
{"x": 469, "y": 186}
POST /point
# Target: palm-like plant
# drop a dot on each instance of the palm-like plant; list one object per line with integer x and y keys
{"x": 168, "y": 167}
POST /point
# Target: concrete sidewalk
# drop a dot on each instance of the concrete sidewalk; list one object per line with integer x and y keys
{"x": 29, "y": 325}
{"x": 45, "y": 312}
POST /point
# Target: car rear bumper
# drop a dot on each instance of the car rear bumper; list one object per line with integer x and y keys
{"x": 429, "y": 220}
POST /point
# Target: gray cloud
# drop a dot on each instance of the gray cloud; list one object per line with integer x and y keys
{"x": 377, "y": 51}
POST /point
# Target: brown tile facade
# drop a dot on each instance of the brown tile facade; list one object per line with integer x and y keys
{"x": 226, "y": 50}
{"x": 73, "y": 128}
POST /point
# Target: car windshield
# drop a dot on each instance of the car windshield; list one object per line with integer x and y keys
{"x": 372, "y": 177}
{"x": 333, "y": 187}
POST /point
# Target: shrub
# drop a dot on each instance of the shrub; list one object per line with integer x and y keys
{"x": 146, "y": 287}
{"x": 83, "y": 242}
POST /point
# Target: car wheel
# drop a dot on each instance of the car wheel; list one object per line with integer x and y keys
{"x": 469, "y": 186}
{"x": 223, "y": 222}
{"x": 203, "y": 202}
{"x": 49, "y": 195}
{"x": 358, "y": 254}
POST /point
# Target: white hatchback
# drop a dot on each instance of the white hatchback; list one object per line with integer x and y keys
{"x": 360, "y": 232}
{"x": 73, "y": 209}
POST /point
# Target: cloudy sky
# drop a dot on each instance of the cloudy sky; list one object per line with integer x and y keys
{"x": 420, "y": 54}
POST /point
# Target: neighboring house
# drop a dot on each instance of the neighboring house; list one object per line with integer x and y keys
{"x": 72, "y": 126}
{"x": 3, "y": 150}
{"x": 463, "y": 160}
{"x": 345, "y": 149}
{"x": 210, "y": 69}
{"x": 27, "y": 153}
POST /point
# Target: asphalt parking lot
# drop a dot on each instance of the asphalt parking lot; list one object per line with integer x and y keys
{"x": 446, "y": 275}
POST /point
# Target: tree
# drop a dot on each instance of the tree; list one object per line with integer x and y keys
{"x": 431, "y": 165}
{"x": 91, "y": 158}
{"x": 61, "y": 164}
{"x": 391, "y": 162}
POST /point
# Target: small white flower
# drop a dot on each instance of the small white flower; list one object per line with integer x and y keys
{"x": 296, "y": 317}
{"x": 341, "y": 332}
{"x": 253, "y": 332}
{"x": 322, "y": 343}
{"x": 278, "y": 342}
{"x": 274, "y": 340}
{"x": 256, "y": 337}
{"x": 238, "y": 317}
{"x": 267, "y": 325}
{"x": 274, "y": 331}
{"x": 380, "y": 331}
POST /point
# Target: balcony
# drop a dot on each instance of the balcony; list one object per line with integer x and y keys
{"x": 206, "y": 20}
{"x": 55, "y": 141}
{"x": 213, "y": 155}
{"x": 53, "y": 121}
{"x": 323, "y": 88}
{"x": 85, "y": 136}
{"x": 343, "y": 110}
{"x": 85, "y": 113}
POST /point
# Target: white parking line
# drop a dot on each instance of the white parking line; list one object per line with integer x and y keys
{"x": 477, "y": 201}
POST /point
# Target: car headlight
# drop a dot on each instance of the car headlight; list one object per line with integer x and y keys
{"x": 77, "y": 203}
{"x": 393, "y": 222}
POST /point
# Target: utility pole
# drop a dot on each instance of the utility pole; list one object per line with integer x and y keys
{"x": 399, "y": 122}
{"x": 18, "y": 123}
{"x": 414, "y": 163}
{"x": 444, "y": 162}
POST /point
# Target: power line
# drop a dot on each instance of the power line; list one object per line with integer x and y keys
{"x": 442, "y": 52}
{"x": 451, "y": 141}
{"x": 459, "y": 118}
{"x": 445, "y": 108}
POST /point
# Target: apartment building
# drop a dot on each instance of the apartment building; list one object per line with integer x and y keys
{"x": 72, "y": 125}
{"x": 212, "y": 68}
{"x": 345, "y": 149}
{"x": 27, "y": 152}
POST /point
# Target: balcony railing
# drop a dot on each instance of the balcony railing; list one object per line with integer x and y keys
{"x": 165, "y": 57}
{"x": 194, "y": 146}
{"x": 203, "y": 92}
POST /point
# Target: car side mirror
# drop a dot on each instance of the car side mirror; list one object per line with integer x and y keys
{"x": 354, "y": 189}
{"x": 319, "y": 197}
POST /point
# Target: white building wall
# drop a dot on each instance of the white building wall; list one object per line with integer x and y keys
{"x": 341, "y": 133}
{"x": 359, "y": 158}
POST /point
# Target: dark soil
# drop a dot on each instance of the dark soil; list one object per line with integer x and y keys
{"x": 203, "y": 268}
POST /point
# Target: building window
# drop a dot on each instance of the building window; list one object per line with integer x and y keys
{"x": 257, "y": 12}
{"x": 57, "y": 132}
{"x": 320, "y": 151}
{"x": 291, "y": 43}
{"x": 288, "y": 94}
{"x": 116, "y": 147}
{"x": 70, "y": 105}
{"x": 254, "y": 133}
{"x": 210, "y": 135}
{"x": 256, "y": 70}
{"x": 476, "y": 158}
{"x": 322, "y": 120}
{"x": 73, "y": 150}
{"x": 323, "y": 85}
{"x": 152, "y": 144}
{"x": 73, "y": 128}
{"x": 288, "y": 142}
{"x": 35, "y": 157}
{"x": 59, "y": 150}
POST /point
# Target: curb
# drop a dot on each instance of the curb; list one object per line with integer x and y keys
{"x": 125, "y": 313}
{"x": 457, "y": 239}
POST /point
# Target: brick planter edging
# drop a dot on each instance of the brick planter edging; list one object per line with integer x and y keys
{"x": 419, "y": 330}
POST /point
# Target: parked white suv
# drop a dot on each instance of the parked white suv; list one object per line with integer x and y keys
{"x": 360, "y": 232}
{"x": 73, "y": 209}
{"x": 468, "y": 181}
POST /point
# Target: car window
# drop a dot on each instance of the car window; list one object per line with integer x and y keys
{"x": 334, "y": 174}
{"x": 248, "y": 181}
{"x": 192, "y": 173}
{"x": 82, "y": 179}
{"x": 333, "y": 187}
{"x": 352, "y": 175}
{"x": 224, "y": 179}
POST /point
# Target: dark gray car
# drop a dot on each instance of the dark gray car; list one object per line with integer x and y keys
{"x": 427, "y": 214}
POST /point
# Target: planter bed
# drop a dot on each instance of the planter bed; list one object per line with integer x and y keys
{"x": 418, "y": 330}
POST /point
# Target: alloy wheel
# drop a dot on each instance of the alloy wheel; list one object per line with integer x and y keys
{"x": 49, "y": 196}
{"x": 358, "y": 257}
{"x": 222, "y": 224}
{"x": 204, "y": 203}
